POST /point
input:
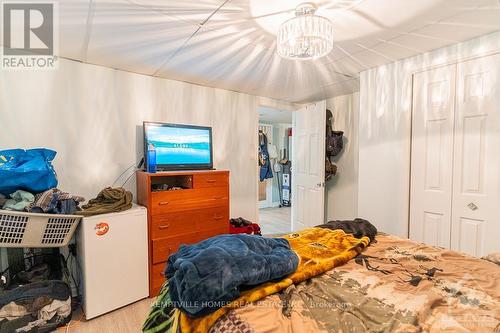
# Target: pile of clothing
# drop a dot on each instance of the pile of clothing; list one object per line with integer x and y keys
{"x": 52, "y": 201}
{"x": 109, "y": 200}
{"x": 35, "y": 307}
{"x": 208, "y": 279}
{"x": 242, "y": 226}
{"x": 55, "y": 201}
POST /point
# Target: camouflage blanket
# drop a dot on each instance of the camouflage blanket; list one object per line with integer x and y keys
{"x": 395, "y": 285}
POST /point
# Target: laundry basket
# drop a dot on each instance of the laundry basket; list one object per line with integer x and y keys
{"x": 21, "y": 229}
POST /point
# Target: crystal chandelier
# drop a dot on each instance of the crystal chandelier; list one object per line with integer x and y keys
{"x": 306, "y": 36}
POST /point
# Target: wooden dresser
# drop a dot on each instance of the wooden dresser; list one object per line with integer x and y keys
{"x": 196, "y": 210}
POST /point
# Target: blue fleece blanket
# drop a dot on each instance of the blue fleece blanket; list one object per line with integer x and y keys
{"x": 206, "y": 276}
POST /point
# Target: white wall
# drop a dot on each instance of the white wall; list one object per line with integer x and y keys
{"x": 342, "y": 190}
{"x": 385, "y": 131}
{"x": 92, "y": 116}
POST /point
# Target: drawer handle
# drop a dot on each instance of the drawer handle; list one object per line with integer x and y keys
{"x": 217, "y": 218}
{"x": 163, "y": 226}
{"x": 211, "y": 181}
{"x": 163, "y": 203}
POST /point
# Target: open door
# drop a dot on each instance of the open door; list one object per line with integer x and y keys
{"x": 308, "y": 169}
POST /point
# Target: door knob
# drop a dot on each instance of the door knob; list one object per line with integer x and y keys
{"x": 472, "y": 206}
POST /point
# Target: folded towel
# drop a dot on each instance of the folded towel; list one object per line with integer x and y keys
{"x": 206, "y": 276}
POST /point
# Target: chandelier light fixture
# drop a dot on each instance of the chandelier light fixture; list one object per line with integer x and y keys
{"x": 306, "y": 36}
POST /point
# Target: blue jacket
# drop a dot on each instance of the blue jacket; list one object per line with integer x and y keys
{"x": 206, "y": 276}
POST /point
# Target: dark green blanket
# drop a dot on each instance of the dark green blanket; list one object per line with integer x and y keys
{"x": 161, "y": 316}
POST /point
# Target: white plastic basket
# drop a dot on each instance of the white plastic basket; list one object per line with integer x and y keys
{"x": 21, "y": 229}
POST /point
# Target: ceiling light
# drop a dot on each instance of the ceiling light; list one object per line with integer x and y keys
{"x": 306, "y": 36}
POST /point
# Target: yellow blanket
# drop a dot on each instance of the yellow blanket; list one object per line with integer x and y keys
{"x": 319, "y": 250}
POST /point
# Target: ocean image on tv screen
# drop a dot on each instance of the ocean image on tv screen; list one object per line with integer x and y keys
{"x": 176, "y": 145}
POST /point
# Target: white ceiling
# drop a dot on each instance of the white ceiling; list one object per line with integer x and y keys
{"x": 274, "y": 116}
{"x": 230, "y": 44}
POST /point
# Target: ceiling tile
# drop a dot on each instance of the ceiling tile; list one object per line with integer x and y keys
{"x": 124, "y": 35}
{"x": 73, "y": 15}
{"x": 451, "y": 33}
{"x": 395, "y": 51}
{"x": 232, "y": 59}
{"x": 195, "y": 12}
{"x": 419, "y": 42}
{"x": 339, "y": 88}
{"x": 490, "y": 19}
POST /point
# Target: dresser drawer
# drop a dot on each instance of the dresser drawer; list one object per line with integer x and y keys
{"x": 185, "y": 200}
{"x": 171, "y": 224}
{"x": 211, "y": 180}
{"x": 202, "y": 235}
{"x": 212, "y": 218}
{"x": 157, "y": 278}
{"x": 164, "y": 247}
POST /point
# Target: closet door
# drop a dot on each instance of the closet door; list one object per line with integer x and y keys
{"x": 432, "y": 156}
{"x": 476, "y": 184}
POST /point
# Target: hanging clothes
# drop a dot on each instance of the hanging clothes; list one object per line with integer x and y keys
{"x": 334, "y": 145}
{"x": 266, "y": 171}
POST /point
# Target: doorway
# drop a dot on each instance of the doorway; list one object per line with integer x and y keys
{"x": 275, "y": 167}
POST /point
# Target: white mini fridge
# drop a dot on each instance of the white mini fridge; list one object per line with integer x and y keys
{"x": 113, "y": 255}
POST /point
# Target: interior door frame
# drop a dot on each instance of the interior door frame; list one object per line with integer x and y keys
{"x": 270, "y": 103}
{"x": 268, "y": 203}
{"x": 411, "y": 115}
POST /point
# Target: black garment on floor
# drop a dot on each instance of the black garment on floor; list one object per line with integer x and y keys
{"x": 56, "y": 289}
{"x": 357, "y": 227}
{"x": 28, "y": 301}
{"x": 240, "y": 222}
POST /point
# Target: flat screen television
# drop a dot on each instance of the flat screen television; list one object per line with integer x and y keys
{"x": 179, "y": 147}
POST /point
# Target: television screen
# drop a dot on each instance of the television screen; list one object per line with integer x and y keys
{"x": 179, "y": 146}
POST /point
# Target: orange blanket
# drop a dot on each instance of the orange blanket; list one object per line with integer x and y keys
{"x": 319, "y": 250}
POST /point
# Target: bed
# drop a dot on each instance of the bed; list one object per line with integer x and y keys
{"x": 394, "y": 285}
